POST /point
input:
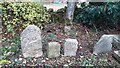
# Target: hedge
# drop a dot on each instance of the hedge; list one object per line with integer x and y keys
{"x": 105, "y": 15}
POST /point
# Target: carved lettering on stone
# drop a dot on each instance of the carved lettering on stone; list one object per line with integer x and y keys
{"x": 31, "y": 44}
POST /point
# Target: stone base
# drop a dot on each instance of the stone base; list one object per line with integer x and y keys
{"x": 116, "y": 55}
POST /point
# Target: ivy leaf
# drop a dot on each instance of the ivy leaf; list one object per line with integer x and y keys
{"x": 12, "y": 59}
{"x": 29, "y": 58}
{"x": 38, "y": 61}
{"x": 71, "y": 32}
{"x": 93, "y": 57}
{"x": 51, "y": 35}
{"x": 9, "y": 28}
{"x": 18, "y": 61}
{"x": 13, "y": 48}
{"x": 2, "y": 58}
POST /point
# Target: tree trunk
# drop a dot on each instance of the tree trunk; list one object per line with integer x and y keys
{"x": 70, "y": 10}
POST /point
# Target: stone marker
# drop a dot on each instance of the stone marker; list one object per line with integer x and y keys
{"x": 31, "y": 44}
{"x": 70, "y": 47}
{"x": 53, "y": 49}
{"x": 104, "y": 45}
{"x": 67, "y": 29}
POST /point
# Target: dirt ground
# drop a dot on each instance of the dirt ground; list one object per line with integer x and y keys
{"x": 86, "y": 38}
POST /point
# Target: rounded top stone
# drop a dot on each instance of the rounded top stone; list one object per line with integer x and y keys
{"x": 72, "y": 40}
{"x": 53, "y": 43}
{"x": 31, "y": 28}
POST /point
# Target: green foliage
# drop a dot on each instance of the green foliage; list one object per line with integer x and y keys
{"x": 99, "y": 16}
{"x": 13, "y": 46}
{"x": 58, "y": 16}
{"x": 29, "y": 58}
{"x": 18, "y": 61}
{"x": 51, "y": 35}
{"x": 16, "y": 16}
{"x": 72, "y": 32}
{"x": 9, "y": 28}
{"x": 38, "y": 61}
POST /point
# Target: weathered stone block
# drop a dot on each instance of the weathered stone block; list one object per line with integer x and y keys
{"x": 31, "y": 41}
{"x": 67, "y": 29}
{"x": 104, "y": 45}
{"x": 53, "y": 49}
{"x": 70, "y": 47}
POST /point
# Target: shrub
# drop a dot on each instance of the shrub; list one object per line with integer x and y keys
{"x": 58, "y": 16}
{"x": 10, "y": 46}
{"x": 16, "y": 16}
{"x": 99, "y": 16}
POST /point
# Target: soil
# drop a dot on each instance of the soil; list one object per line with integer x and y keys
{"x": 86, "y": 38}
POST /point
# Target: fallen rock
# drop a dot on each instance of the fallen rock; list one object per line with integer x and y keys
{"x": 67, "y": 29}
{"x": 104, "y": 45}
{"x": 31, "y": 44}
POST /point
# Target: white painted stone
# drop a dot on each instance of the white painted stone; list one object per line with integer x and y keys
{"x": 53, "y": 49}
{"x": 31, "y": 44}
{"x": 70, "y": 47}
{"x": 104, "y": 45}
{"x": 67, "y": 29}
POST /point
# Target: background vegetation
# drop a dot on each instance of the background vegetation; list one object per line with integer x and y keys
{"x": 98, "y": 16}
{"x": 16, "y": 16}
